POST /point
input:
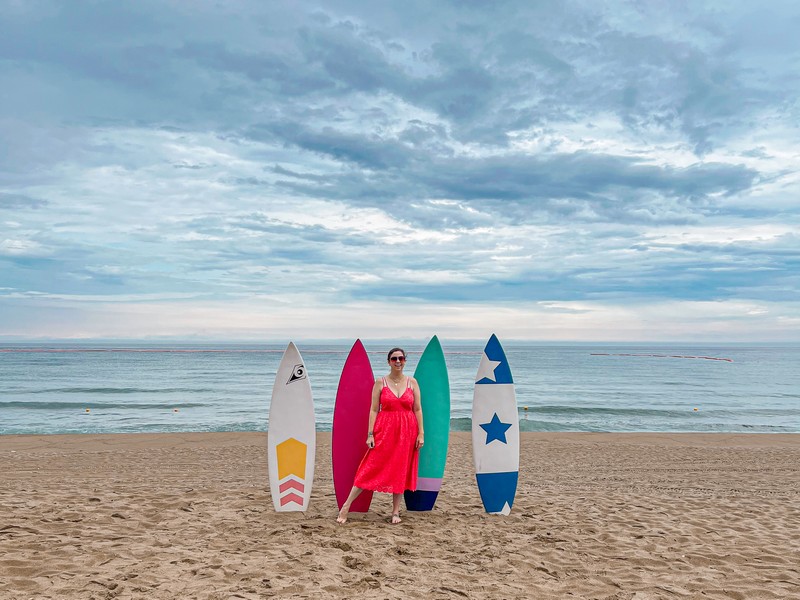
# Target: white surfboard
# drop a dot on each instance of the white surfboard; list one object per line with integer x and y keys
{"x": 292, "y": 438}
{"x": 495, "y": 431}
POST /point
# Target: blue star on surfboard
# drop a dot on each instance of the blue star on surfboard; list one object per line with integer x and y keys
{"x": 495, "y": 430}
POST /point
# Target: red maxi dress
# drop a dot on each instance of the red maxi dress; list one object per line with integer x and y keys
{"x": 391, "y": 466}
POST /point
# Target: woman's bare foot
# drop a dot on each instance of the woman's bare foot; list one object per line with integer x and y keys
{"x": 342, "y": 518}
{"x": 396, "y": 518}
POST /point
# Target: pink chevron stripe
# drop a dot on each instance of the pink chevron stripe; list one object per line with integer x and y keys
{"x": 291, "y": 498}
{"x": 292, "y": 484}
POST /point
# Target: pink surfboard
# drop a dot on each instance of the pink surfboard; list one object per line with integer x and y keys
{"x": 350, "y": 425}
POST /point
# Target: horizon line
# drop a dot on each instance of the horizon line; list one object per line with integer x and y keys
{"x": 140, "y": 342}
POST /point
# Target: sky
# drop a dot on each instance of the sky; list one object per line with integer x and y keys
{"x": 263, "y": 170}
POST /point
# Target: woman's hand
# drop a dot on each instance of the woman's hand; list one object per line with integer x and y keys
{"x": 370, "y": 440}
{"x": 420, "y": 440}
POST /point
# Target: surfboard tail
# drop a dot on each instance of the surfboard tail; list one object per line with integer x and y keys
{"x": 360, "y": 504}
{"x": 343, "y": 483}
{"x": 498, "y": 491}
{"x": 420, "y": 500}
{"x": 291, "y": 491}
{"x": 424, "y": 497}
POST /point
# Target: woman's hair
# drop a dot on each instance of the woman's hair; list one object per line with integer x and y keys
{"x": 393, "y": 350}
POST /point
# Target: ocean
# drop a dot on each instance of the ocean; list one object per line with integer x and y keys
{"x": 107, "y": 388}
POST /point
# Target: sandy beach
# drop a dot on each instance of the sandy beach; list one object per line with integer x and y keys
{"x": 612, "y": 516}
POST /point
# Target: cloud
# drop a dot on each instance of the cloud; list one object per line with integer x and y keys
{"x": 20, "y": 201}
{"x": 18, "y": 247}
{"x": 575, "y": 163}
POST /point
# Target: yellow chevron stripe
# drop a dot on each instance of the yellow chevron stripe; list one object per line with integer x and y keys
{"x": 291, "y": 458}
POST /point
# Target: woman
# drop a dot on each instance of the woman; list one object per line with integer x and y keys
{"x": 394, "y": 438}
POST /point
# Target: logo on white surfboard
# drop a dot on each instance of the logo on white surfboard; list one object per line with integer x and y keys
{"x": 298, "y": 373}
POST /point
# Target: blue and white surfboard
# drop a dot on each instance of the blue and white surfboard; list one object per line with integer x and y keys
{"x": 495, "y": 430}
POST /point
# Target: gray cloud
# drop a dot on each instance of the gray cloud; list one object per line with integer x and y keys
{"x": 486, "y": 74}
{"x": 20, "y": 201}
{"x": 532, "y": 152}
{"x": 612, "y": 187}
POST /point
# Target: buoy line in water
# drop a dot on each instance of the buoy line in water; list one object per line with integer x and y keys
{"x": 664, "y": 356}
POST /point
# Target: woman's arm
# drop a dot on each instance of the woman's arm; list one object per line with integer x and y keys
{"x": 373, "y": 411}
{"x": 418, "y": 413}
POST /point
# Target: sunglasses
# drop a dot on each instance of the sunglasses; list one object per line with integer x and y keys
{"x": 398, "y": 359}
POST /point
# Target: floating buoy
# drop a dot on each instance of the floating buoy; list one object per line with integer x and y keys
{"x": 524, "y": 408}
{"x": 696, "y": 409}
{"x": 88, "y": 410}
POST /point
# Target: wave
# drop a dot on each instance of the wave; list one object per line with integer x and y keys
{"x": 21, "y": 405}
{"x": 134, "y": 351}
{"x": 720, "y": 358}
{"x": 119, "y": 390}
{"x": 604, "y": 410}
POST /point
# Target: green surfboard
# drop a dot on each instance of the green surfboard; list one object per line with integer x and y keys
{"x": 431, "y": 374}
